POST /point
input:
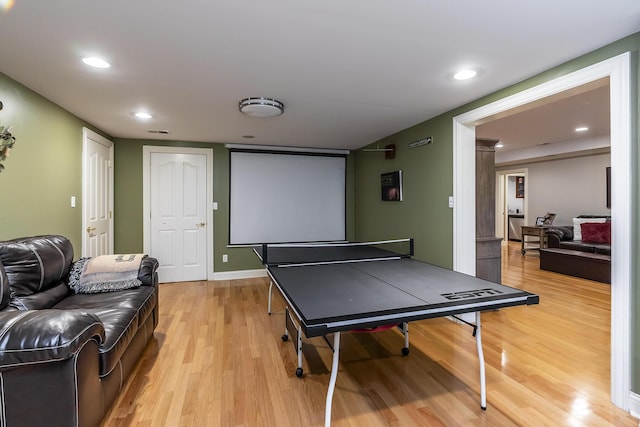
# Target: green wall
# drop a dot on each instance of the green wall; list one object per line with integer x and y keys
{"x": 428, "y": 180}
{"x": 44, "y": 168}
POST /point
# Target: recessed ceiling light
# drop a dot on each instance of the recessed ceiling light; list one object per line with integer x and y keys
{"x": 582, "y": 129}
{"x": 143, "y": 115}
{"x": 6, "y": 4}
{"x": 465, "y": 74}
{"x": 499, "y": 145}
{"x": 96, "y": 62}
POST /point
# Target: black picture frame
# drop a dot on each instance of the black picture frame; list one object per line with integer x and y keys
{"x": 520, "y": 187}
{"x": 391, "y": 186}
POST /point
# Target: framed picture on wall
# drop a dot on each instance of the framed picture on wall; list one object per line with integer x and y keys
{"x": 391, "y": 186}
{"x": 520, "y": 187}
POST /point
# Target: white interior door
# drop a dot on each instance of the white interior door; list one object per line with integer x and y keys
{"x": 97, "y": 194}
{"x": 178, "y": 215}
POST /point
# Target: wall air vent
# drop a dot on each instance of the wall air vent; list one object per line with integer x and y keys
{"x": 160, "y": 131}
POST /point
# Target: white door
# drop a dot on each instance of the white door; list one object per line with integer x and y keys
{"x": 178, "y": 215}
{"x": 97, "y": 194}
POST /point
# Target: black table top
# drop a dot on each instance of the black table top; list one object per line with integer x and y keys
{"x": 319, "y": 253}
{"x": 341, "y": 296}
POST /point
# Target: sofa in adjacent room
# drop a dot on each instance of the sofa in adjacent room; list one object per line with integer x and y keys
{"x": 582, "y": 249}
{"x": 65, "y": 353}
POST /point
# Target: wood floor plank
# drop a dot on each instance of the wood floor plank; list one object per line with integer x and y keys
{"x": 217, "y": 360}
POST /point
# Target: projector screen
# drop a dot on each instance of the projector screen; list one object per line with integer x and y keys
{"x": 278, "y": 197}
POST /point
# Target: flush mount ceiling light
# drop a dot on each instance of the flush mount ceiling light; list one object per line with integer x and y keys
{"x": 96, "y": 62}
{"x": 582, "y": 129}
{"x": 261, "y": 107}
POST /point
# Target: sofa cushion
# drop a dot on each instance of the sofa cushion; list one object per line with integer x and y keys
{"x": 45, "y": 299}
{"x": 121, "y": 313}
{"x": 35, "y": 264}
{"x": 594, "y": 248}
{"x": 577, "y": 230}
{"x": 593, "y": 232}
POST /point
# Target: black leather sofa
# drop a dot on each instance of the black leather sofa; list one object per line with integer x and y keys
{"x": 575, "y": 257}
{"x": 64, "y": 357}
{"x": 562, "y": 237}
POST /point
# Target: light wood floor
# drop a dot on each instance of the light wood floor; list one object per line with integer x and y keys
{"x": 217, "y": 360}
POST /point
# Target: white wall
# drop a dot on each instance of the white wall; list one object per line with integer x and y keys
{"x": 567, "y": 187}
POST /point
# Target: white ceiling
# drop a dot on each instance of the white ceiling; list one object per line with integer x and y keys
{"x": 349, "y": 73}
{"x": 548, "y": 128}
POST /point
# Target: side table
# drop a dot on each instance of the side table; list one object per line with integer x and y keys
{"x": 535, "y": 231}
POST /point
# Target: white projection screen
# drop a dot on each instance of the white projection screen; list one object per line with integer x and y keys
{"x": 278, "y": 197}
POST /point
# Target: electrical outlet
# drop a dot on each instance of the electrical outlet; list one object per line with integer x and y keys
{"x": 225, "y": 258}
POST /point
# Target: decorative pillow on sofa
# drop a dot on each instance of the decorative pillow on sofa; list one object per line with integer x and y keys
{"x": 577, "y": 230}
{"x": 594, "y": 232}
{"x": 105, "y": 273}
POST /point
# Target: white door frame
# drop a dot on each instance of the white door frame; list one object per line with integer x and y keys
{"x": 617, "y": 69}
{"x": 146, "y": 195}
{"x": 87, "y": 136}
{"x": 502, "y": 212}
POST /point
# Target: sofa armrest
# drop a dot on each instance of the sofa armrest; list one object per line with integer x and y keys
{"x": 557, "y": 234}
{"x": 147, "y": 273}
{"x": 37, "y": 336}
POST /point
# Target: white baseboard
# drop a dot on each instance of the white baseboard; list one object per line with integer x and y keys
{"x": 634, "y": 404}
{"x": 240, "y": 274}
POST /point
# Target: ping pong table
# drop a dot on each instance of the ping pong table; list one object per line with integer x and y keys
{"x": 340, "y": 287}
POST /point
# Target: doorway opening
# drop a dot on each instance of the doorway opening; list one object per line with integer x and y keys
{"x": 617, "y": 69}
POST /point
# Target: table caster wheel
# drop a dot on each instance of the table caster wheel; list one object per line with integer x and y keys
{"x": 285, "y": 337}
{"x": 299, "y": 372}
{"x": 405, "y": 351}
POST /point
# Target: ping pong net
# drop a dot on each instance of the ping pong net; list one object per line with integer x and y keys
{"x": 301, "y": 254}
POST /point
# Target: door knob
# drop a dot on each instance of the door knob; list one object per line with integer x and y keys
{"x": 201, "y": 224}
{"x": 90, "y": 229}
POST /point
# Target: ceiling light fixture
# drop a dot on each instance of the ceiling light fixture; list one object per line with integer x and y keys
{"x": 143, "y": 115}
{"x": 96, "y": 62}
{"x": 582, "y": 129}
{"x": 499, "y": 145}
{"x": 465, "y": 74}
{"x": 261, "y": 107}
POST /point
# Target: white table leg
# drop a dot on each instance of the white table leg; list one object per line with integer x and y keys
{"x": 483, "y": 385}
{"x": 332, "y": 381}
{"x": 299, "y": 351}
